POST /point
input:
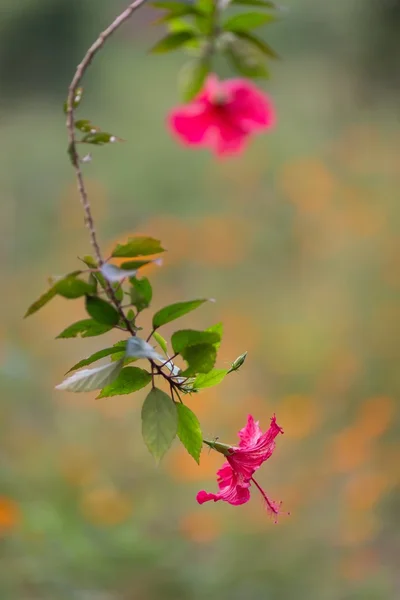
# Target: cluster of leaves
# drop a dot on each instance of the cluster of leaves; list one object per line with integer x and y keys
{"x": 115, "y": 297}
{"x": 200, "y": 28}
{"x": 92, "y": 133}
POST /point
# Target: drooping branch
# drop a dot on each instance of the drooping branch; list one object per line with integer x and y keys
{"x": 80, "y": 72}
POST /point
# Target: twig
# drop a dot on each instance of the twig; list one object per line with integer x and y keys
{"x": 80, "y": 71}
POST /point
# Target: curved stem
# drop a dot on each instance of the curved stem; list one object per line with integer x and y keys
{"x": 79, "y": 73}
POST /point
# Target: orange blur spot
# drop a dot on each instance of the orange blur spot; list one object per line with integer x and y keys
{"x": 307, "y": 183}
{"x": 349, "y": 450}
{"x": 364, "y": 491}
{"x": 298, "y": 415}
{"x": 376, "y": 415}
{"x": 9, "y": 514}
{"x": 106, "y": 506}
{"x": 200, "y": 527}
{"x": 182, "y": 467}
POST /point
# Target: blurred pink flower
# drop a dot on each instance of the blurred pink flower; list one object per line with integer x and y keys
{"x": 236, "y": 475}
{"x": 223, "y": 116}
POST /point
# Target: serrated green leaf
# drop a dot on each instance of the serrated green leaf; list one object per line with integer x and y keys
{"x": 88, "y": 380}
{"x": 98, "y": 355}
{"x": 141, "y": 293}
{"x": 161, "y": 342}
{"x": 192, "y": 78}
{"x": 101, "y": 311}
{"x": 247, "y": 21}
{"x": 85, "y": 328}
{"x": 173, "y": 41}
{"x": 217, "y": 328}
{"x": 257, "y": 43}
{"x": 200, "y": 358}
{"x": 137, "y": 246}
{"x": 189, "y": 431}
{"x": 159, "y": 422}
{"x": 189, "y": 337}
{"x": 210, "y": 379}
{"x": 174, "y": 311}
{"x": 130, "y": 379}
{"x": 40, "y": 302}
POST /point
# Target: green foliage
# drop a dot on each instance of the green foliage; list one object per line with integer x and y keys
{"x": 214, "y": 377}
{"x": 129, "y": 380}
{"x": 70, "y": 287}
{"x": 246, "y": 59}
{"x": 101, "y": 311}
{"x": 88, "y": 380}
{"x": 200, "y": 358}
{"x": 192, "y": 78}
{"x": 76, "y": 99}
{"x": 173, "y": 41}
{"x": 84, "y": 328}
{"x": 42, "y": 301}
{"x": 159, "y": 422}
{"x": 160, "y": 341}
{"x": 174, "y": 311}
{"x": 257, "y": 43}
{"x": 99, "y": 138}
{"x": 189, "y": 337}
{"x": 117, "y": 348}
{"x": 141, "y": 293}
{"x": 86, "y": 126}
{"x": 137, "y": 246}
{"x": 247, "y": 21}
{"x": 189, "y": 431}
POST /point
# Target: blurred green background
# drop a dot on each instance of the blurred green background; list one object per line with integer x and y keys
{"x": 298, "y": 240}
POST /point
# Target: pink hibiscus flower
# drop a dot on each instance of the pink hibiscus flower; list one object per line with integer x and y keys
{"x": 223, "y": 116}
{"x": 236, "y": 475}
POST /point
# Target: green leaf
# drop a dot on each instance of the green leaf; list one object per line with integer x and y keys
{"x": 97, "y": 356}
{"x": 257, "y": 43}
{"x": 174, "y": 311}
{"x": 137, "y": 264}
{"x": 176, "y": 9}
{"x": 89, "y": 261}
{"x": 86, "y": 126}
{"x": 159, "y": 422}
{"x": 100, "y": 138}
{"x": 101, "y": 311}
{"x": 192, "y": 77}
{"x": 189, "y": 431}
{"x": 141, "y": 293}
{"x": 246, "y": 60}
{"x": 261, "y": 3}
{"x": 38, "y": 304}
{"x": 85, "y": 328}
{"x": 137, "y": 246}
{"x": 161, "y": 342}
{"x": 217, "y": 328}
{"x": 76, "y": 100}
{"x": 138, "y": 348}
{"x": 91, "y": 379}
{"x": 200, "y": 359}
{"x": 210, "y": 379}
{"x": 246, "y": 21}
{"x": 189, "y": 337}
{"x": 70, "y": 287}
{"x": 172, "y": 41}
{"x": 130, "y": 379}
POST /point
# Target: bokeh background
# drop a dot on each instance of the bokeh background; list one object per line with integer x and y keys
{"x": 298, "y": 240}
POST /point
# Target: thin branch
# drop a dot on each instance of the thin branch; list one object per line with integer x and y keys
{"x": 80, "y": 71}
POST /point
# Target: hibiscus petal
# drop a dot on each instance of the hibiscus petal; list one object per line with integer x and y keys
{"x": 250, "y": 434}
{"x": 231, "y": 490}
{"x": 252, "y": 108}
{"x": 190, "y": 123}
